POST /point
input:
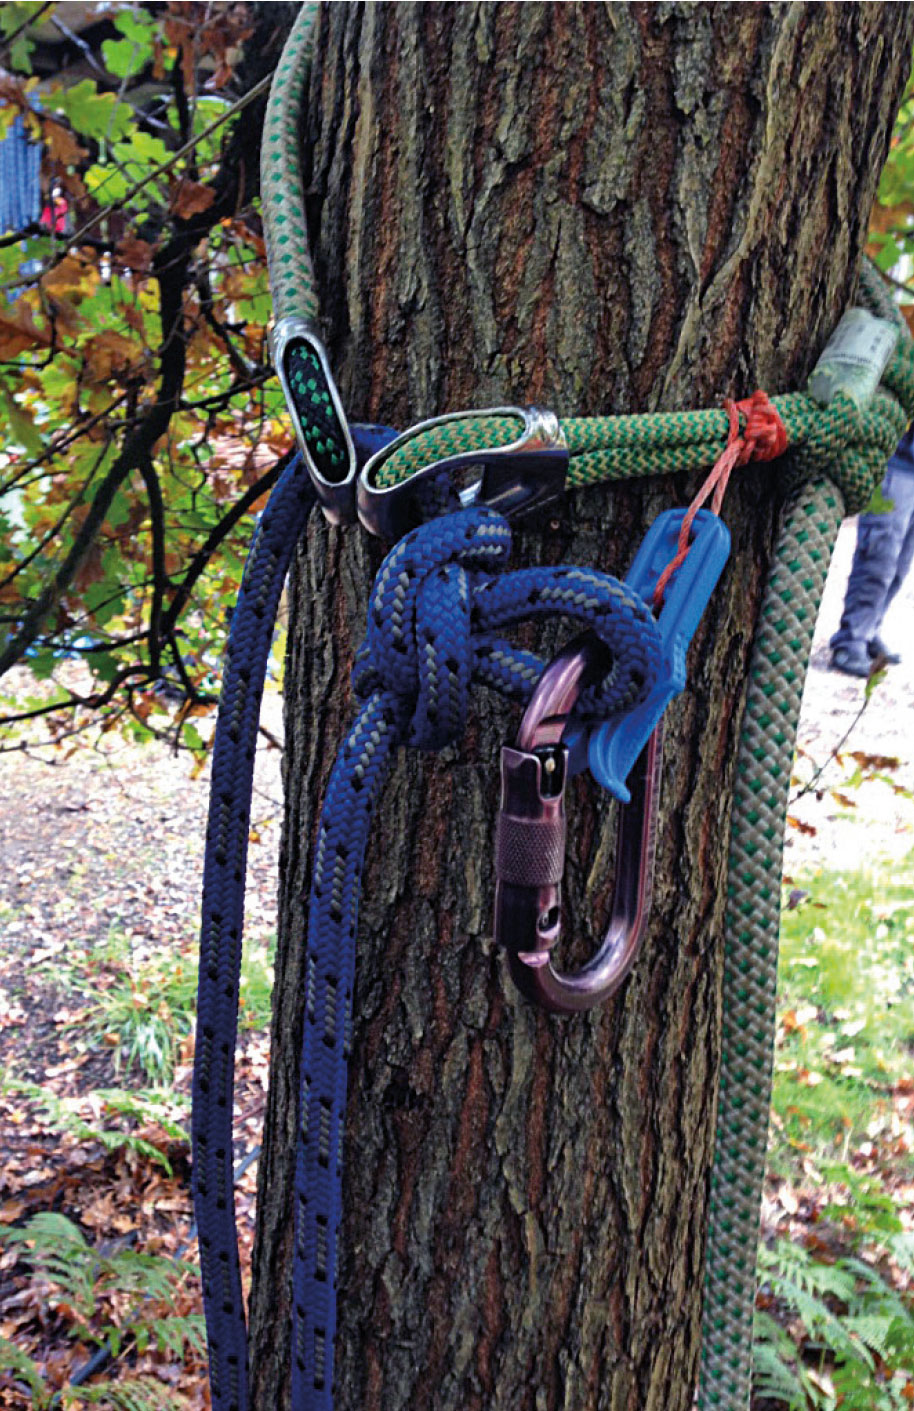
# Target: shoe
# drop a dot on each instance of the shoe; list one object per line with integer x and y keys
{"x": 850, "y": 661}
{"x": 877, "y": 648}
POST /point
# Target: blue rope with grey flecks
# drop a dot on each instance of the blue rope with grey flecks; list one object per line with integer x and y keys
{"x": 440, "y": 601}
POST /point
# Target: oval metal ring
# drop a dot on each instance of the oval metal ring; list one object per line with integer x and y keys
{"x": 518, "y": 478}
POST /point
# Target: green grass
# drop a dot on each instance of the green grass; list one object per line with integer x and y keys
{"x": 846, "y": 1009}
{"x": 141, "y": 1006}
{"x": 835, "y": 1317}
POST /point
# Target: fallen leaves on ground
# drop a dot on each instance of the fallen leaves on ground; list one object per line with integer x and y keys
{"x": 111, "y": 845}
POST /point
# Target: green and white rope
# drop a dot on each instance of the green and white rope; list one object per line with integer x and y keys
{"x": 837, "y": 455}
{"x": 625, "y": 447}
{"x": 282, "y": 191}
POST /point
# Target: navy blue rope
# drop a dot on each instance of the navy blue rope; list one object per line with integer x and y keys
{"x": 440, "y": 599}
{"x": 222, "y": 921}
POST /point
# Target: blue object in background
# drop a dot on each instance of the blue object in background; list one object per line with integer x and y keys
{"x": 20, "y": 180}
{"x": 882, "y": 558}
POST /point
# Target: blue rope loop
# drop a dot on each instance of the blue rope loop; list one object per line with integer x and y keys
{"x": 439, "y": 600}
{"x": 281, "y": 525}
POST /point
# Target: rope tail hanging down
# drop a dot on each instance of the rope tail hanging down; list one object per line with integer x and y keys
{"x": 442, "y": 597}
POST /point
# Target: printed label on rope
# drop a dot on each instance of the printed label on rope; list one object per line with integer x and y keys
{"x": 854, "y": 359}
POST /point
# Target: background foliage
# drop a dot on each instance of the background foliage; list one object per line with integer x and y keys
{"x": 138, "y": 419}
{"x": 139, "y": 426}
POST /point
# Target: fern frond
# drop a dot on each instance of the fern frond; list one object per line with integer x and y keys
{"x": 137, "y": 1394}
{"x": 13, "y": 1359}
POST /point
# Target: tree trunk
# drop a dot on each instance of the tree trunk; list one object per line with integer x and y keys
{"x": 598, "y": 208}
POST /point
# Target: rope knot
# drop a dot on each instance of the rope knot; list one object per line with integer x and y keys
{"x": 764, "y": 436}
{"x": 435, "y": 616}
{"x": 418, "y": 648}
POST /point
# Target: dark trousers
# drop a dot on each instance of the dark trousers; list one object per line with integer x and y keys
{"x": 885, "y": 547}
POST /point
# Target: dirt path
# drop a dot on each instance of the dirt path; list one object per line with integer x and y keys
{"x": 882, "y": 823}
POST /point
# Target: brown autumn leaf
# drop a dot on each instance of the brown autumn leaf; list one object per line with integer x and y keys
{"x": 90, "y": 570}
{"x": 843, "y": 799}
{"x": 13, "y": 94}
{"x": 110, "y": 353}
{"x": 181, "y": 31}
{"x": 875, "y": 761}
{"x": 134, "y": 254}
{"x": 73, "y": 275}
{"x": 18, "y": 332}
{"x": 133, "y": 318}
{"x": 65, "y": 316}
{"x": 885, "y": 218}
{"x": 61, "y": 144}
{"x": 190, "y": 198}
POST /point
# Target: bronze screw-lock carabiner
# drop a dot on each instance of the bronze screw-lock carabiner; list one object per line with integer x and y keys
{"x": 530, "y": 844}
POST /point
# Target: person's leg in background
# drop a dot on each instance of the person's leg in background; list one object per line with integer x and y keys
{"x": 903, "y": 496}
{"x": 885, "y": 547}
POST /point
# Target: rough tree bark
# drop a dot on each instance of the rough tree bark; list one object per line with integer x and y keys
{"x": 599, "y": 208}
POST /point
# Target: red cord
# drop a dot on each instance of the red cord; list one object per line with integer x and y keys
{"x": 763, "y": 438}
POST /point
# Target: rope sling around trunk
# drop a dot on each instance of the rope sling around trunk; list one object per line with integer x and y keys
{"x": 841, "y": 453}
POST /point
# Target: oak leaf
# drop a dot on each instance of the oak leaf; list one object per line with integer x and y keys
{"x": 73, "y": 275}
{"x": 134, "y": 254}
{"x": 62, "y": 145}
{"x": 18, "y": 332}
{"x": 109, "y": 353}
{"x": 191, "y": 198}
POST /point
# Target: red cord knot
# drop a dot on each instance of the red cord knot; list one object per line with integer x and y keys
{"x": 763, "y": 437}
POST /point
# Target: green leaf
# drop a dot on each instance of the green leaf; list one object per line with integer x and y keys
{"x": 20, "y": 53}
{"x": 103, "y": 600}
{"x": 93, "y": 114}
{"x": 20, "y": 423}
{"x": 104, "y": 666}
{"x": 136, "y": 25}
{"x": 878, "y": 504}
{"x": 192, "y": 737}
{"x": 42, "y": 664}
{"x": 12, "y": 17}
{"x": 119, "y": 510}
{"x": 125, "y": 57}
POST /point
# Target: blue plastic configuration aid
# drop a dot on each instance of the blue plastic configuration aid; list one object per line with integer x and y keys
{"x": 611, "y": 748}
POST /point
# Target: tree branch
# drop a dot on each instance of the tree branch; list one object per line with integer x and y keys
{"x": 215, "y": 537}
{"x": 159, "y": 578}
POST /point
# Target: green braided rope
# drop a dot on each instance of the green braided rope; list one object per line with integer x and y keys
{"x": 624, "y": 447}
{"x": 780, "y": 654}
{"x": 837, "y": 455}
{"x": 319, "y": 422}
{"x": 281, "y": 188}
